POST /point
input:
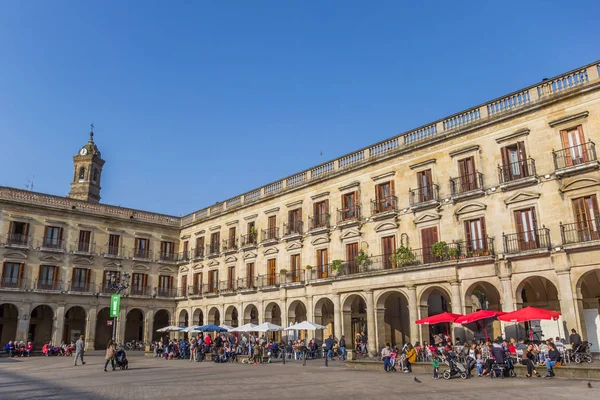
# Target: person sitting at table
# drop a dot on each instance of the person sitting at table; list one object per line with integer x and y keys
{"x": 528, "y": 360}
{"x": 551, "y": 360}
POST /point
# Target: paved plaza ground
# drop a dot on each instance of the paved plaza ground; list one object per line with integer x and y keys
{"x": 149, "y": 378}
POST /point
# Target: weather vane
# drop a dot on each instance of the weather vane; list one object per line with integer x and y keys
{"x": 92, "y": 131}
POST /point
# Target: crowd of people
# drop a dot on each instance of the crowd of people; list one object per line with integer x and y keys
{"x": 18, "y": 349}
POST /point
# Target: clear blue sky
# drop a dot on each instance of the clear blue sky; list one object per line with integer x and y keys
{"x": 198, "y": 101}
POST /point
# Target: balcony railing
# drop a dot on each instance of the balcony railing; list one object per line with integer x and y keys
{"x": 576, "y": 155}
{"x": 7, "y": 282}
{"x": 199, "y": 252}
{"x": 516, "y": 170}
{"x": 84, "y": 247}
{"x": 322, "y": 272}
{"x": 268, "y": 280}
{"x": 16, "y": 239}
{"x": 211, "y": 288}
{"x": 106, "y": 289}
{"x": 529, "y": 240}
{"x": 114, "y": 251}
{"x": 384, "y": 204}
{"x": 247, "y": 283}
{"x": 466, "y": 183}
{"x": 140, "y": 291}
{"x": 52, "y": 244}
{"x": 195, "y": 290}
{"x": 81, "y": 287}
{"x": 229, "y": 285}
{"x": 168, "y": 292}
{"x": 319, "y": 221}
{"x": 41, "y": 284}
{"x": 144, "y": 254}
{"x": 424, "y": 194}
{"x": 270, "y": 234}
{"x": 168, "y": 256}
{"x": 293, "y": 228}
{"x": 579, "y": 232}
{"x": 348, "y": 214}
{"x": 293, "y": 276}
{"x": 183, "y": 256}
{"x": 230, "y": 244}
{"x": 248, "y": 240}
{"x": 213, "y": 249}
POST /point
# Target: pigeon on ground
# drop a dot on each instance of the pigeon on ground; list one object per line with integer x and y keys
{"x": 589, "y": 385}
{"x": 417, "y": 380}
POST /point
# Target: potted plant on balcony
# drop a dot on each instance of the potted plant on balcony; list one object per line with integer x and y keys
{"x": 363, "y": 260}
{"x": 283, "y": 271}
{"x": 439, "y": 250}
{"x": 453, "y": 253}
{"x": 336, "y": 266}
{"x": 403, "y": 256}
{"x": 253, "y": 234}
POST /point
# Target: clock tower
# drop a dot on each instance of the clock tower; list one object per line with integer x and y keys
{"x": 88, "y": 170}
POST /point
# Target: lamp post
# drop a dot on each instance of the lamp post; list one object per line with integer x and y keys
{"x": 117, "y": 282}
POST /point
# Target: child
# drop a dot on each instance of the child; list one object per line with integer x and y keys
{"x": 479, "y": 363}
{"x": 435, "y": 363}
{"x": 393, "y": 356}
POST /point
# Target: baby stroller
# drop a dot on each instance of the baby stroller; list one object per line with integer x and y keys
{"x": 454, "y": 367}
{"x": 582, "y": 353}
{"x": 121, "y": 360}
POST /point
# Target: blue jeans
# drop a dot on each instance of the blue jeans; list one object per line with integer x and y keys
{"x": 330, "y": 354}
{"x": 386, "y": 363}
{"x": 549, "y": 365}
{"x": 343, "y": 350}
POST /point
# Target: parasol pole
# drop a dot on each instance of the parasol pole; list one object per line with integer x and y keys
{"x": 485, "y": 332}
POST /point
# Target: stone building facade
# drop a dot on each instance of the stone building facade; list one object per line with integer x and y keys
{"x": 494, "y": 207}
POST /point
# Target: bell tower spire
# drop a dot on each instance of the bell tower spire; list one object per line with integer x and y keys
{"x": 88, "y": 165}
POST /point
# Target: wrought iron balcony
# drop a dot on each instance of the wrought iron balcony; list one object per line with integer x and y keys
{"x": 230, "y": 244}
{"x": 293, "y": 228}
{"x": 213, "y": 250}
{"x": 270, "y": 234}
{"x": 81, "y": 287}
{"x": 195, "y": 290}
{"x": 580, "y": 232}
{"x": 530, "y": 240}
{"x": 348, "y": 214}
{"x": 247, "y": 283}
{"x": 211, "y": 289}
{"x": 18, "y": 240}
{"x": 228, "y": 286}
{"x": 42, "y": 284}
{"x": 84, "y": 247}
{"x": 143, "y": 254}
{"x": 52, "y": 244}
{"x": 322, "y": 272}
{"x": 319, "y": 221}
{"x": 168, "y": 256}
{"x": 575, "y": 156}
{"x": 168, "y": 292}
{"x": 7, "y": 282}
{"x": 140, "y": 291}
{"x": 199, "y": 252}
{"x": 466, "y": 183}
{"x": 516, "y": 171}
{"x": 114, "y": 251}
{"x": 424, "y": 195}
{"x": 183, "y": 256}
{"x": 249, "y": 240}
{"x": 384, "y": 204}
{"x": 268, "y": 280}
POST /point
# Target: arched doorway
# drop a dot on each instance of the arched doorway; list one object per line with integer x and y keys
{"x": 75, "y": 320}
{"x": 9, "y": 319}
{"x": 40, "y": 326}
{"x": 161, "y": 319}
{"x": 393, "y": 323}
{"x": 183, "y": 318}
{"x": 273, "y": 314}
{"x": 434, "y": 300}
{"x": 198, "y": 317}
{"x": 538, "y": 291}
{"x": 103, "y": 330}
{"x": 134, "y": 325}
{"x": 251, "y": 314}
{"x": 324, "y": 316}
{"x": 296, "y": 312}
{"x": 588, "y": 301}
{"x": 214, "y": 316}
{"x": 483, "y": 296}
{"x": 231, "y": 317}
{"x": 354, "y": 315}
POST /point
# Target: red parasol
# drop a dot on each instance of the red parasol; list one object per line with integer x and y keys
{"x": 477, "y": 316}
{"x": 444, "y": 317}
{"x": 529, "y": 314}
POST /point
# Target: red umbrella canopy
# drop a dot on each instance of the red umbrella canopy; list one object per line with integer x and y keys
{"x": 478, "y": 315}
{"x": 529, "y": 314}
{"x": 438, "y": 319}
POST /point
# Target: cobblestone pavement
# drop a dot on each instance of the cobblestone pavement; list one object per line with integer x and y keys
{"x": 148, "y": 378}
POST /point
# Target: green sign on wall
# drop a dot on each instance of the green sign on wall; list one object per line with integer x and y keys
{"x": 115, "y": 305}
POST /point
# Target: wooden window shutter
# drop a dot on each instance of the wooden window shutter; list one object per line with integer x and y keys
{"x": 26, "y": 229}
{"x": 326, "y": 206}
{"x": 73, "y": 275}
{"x": 428, "y": 179}
{"x": 468, "y": 234}
{"x": 40, "y": 269}
{"x": 564, "y": 138}
{"x": 521, "y": 151}
{"x": 21, "y": 268}
{"x": 519, "y": 221}
{"x": 60, "y": 234}
{"x": 344, "y": 201}
{"x": 595, "y": 205}
{"x": 483, "y": 232}
{"x": 505, "y": 159}
{"x": 88, "y": 273}
{"x": 10, "y": 227}
{"x": 584, "y": 151}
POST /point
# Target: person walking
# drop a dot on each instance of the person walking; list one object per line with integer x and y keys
{"x": 329, "y": 347}
{"x": 110, "y": 355}
{"x": 79, "y": 345}
{"x": 342, "y": 345}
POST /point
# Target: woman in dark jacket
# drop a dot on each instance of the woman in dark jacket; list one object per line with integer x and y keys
{"x": 551, "y": 360}
{"x": 527, "y": 360}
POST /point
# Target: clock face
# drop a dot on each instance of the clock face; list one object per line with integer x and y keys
{"x": 83, "y": 152}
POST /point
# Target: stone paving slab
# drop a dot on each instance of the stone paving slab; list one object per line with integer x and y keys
{"x": 150, "y": 378}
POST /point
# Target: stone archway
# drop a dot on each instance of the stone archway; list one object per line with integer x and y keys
{"x": 9, "y": 320}
{"x": 482, "y": 296}
{"x": 434, "y": 300}
{"x": 183, "y": 318}
{"x": 588, "y": 304}
{"x": 354, "y": 316}
{"x": 75, "y": 321}
{"x": 393, "y": 322}
{"x": 40, "y": 326}
{"x": 251, "y": 314}
{"x": 162, "y": 318}
{"x": 538, "y": 291}
{"x": 296, "y": 312}
{"x": 134, "y": 325}
{"x": 198, "y": 317}
{"x": 273, "y": 314}
{"x": 231, "y": 317}
{"x": 324, "y": 316}
{"x": 214, "y": 316}
{"x": 103, "y": 331}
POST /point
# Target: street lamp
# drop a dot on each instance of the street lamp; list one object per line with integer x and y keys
{"x": 117, "y": 282}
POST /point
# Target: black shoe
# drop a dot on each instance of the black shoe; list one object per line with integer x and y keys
{"x": 105, "y": 370}
{"x": 82, "y": 363}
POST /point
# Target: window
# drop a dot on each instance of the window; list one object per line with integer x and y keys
{"x": 12, "y": 274}
{"x": 384, "y": 197}
{"x": 53, "y": 237}
{"x": 321, "y": 214}
{"x": 139, "y": 282}
{"x": 294, "y": 222}
{"x": 47, "y": 277}
{"x": 165, "y": 285}
{"x": 231, "y": 278}
{"x": 527, "y": 236}
{"x": 467, "y": 175}
{"x": 586, "y": 217}
{"x": 186, "y": 249}
{"x": 322, "y": 263}
{"x": 271, "y": 271}
{"x": 425, "y": 191}
{"x": 250, "y": 275}
{"x": 232, "y": 242}
{"x": 351, "y": 253}
{"x": 142, "y": 248}
{"x": 80, "y": 280}
{"x": 83, "y": 244}
{"x": 213, "y": 281}
{"x": 18, "y": 233}
{"x": 197, "y": 283}
{"x": 184, "y": 283}
{"x": 349, "y": 206}
{"x": 388, "y": 246}
{"x": 251, "y": 233}
{"x": 95, "y": 176}
{"x": 167, "y": 251}
{"x": 113, "y": 245}
{"x": 514, "y": 162}
{"x": 574, "y": 148}
{"x": 113, "y": 276}
{"x": 295, "y": 267}
{"x": 429, "y": 237}
{"x": 272, "y": 228}
{"x": 476, "y": 236}
{"x": 199, "y": 247}
{"x": 215, "y": 238}
{"x": 81, "y": 174}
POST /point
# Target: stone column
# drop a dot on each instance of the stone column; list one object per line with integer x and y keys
{"x": 380, "y": 328}
{"x": 337, "y": 316}
{"x": 371, "y": 315}
{"x": 310, "y": 314}
{"x": 148, "y": 325}
{"x": 284, "y": 318}
{"x": 261, "y": 312}
{"x": 508, "y": 301}
{"x": 568, "y": 305}
{"x": 90, "y": 328}
{"x": 457, "y": 330}
{"x": 413, "y": 314}
{"x": 23, "y": 322}
{"x": 59, "y": 325}
{"x": 121, "y": 324}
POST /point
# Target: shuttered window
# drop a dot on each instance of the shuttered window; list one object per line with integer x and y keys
{"x": 425, "y": 185}
{"x": 295, "y": 267}
{"x": 573, "y": 142}
{"x": 475, "y": 233}
{"x": 351, "y": 253}
{"x": 514, "y": 162}
{"x": 526, "y": 224}
{"x": 587, "y": 217}
{"x": 467, "y": 173}
{"x": 388, "y": 246}
{"x": 12, "y": 274}
{"x": 271, "y": 271}
{"x": 429, "y": 237}
{"x": 250, "y": 275}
